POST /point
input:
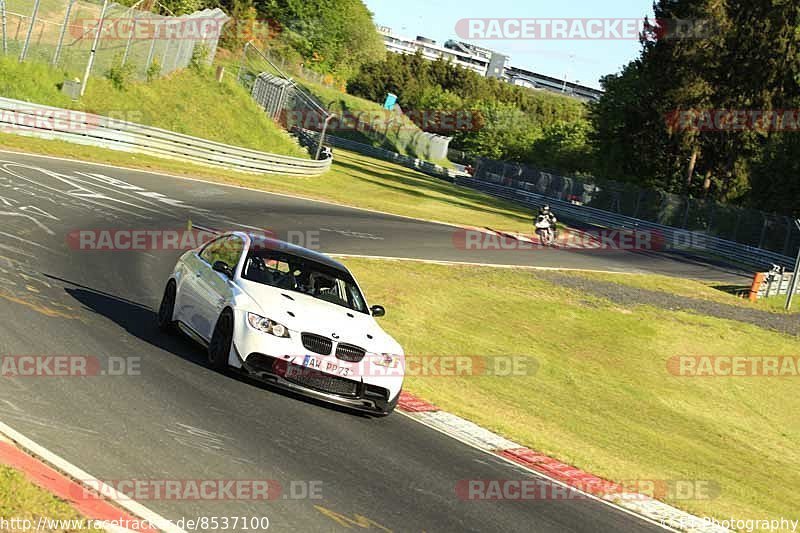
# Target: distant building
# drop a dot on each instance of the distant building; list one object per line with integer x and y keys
{"x": 481, "y": 60}
{"x": 485, "y": 62}
{"x": 533, "y": 80}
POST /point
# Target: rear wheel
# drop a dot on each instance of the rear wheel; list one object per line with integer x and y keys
{"x": 220, "y": 346}
{"x": 167, "y": 308}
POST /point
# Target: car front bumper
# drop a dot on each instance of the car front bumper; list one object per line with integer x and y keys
{"x": 360, "y": 396}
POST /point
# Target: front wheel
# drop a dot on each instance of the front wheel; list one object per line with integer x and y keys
{"x": 220, "y": 346}
{"x": 167, "y": 308}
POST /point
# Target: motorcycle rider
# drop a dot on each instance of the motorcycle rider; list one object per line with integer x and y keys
{"x": 545, "y": 214}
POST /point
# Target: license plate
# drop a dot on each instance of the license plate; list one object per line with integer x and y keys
{"x": 318, "y": 364}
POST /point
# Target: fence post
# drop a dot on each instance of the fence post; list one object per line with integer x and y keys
{"x": 3, "y": 22}
{"x": 164, "y": 55}
{"x": 241, "y": 62}
{"x": 130, "y": 39}
{"x": 27, "y": 42}
{"x": 793, "y": 284}
{"x": 62, "y": 32}
{"x": 788, "y": 239}
{"x": 764, "y": 225}
{"x": 322, "y": 136}
{"x": 151, "y": 51}
{"x": 94, "y": 47}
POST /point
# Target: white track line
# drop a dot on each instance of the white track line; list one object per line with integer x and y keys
{"x": 163, "y": 174}
{"x": 466, "y": 263}
{"x": 89, "y": 481}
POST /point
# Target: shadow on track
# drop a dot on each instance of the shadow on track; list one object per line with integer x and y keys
{"x": 140, "y": 321}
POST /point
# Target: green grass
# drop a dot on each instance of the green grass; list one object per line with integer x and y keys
{"x": 19, "y": 498}
{"x": 355, "y": 180}
{"x": 185, "y": 102}
{"x": 602, "y": 398}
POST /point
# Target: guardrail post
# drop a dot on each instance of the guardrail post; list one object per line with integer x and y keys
{"x": 3, "y": 22}
{"x": 93, "y": 53}
{"x": 27, "y": 42}
{"x": 61, "y": 34}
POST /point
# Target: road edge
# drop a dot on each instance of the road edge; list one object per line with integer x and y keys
{"x": 649, "y": 509}
{"x": 38, "y": 459}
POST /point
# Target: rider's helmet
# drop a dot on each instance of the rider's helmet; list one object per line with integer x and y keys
{"x": 546, "y": 208}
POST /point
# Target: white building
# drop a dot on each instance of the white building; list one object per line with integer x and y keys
{"x": 481, "y": 60}
{"x": 485, "y": 62}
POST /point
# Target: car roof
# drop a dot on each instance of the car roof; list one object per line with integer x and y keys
{"x": 293, "y": 249}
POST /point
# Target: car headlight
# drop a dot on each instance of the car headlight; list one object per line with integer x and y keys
{"x": 386, "y": 359}
{"x": 267, "y": 326}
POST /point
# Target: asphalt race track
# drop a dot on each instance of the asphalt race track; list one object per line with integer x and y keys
{"x": 174, "y": 419}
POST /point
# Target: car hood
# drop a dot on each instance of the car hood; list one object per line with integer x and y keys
{"x": 302, "y": 313}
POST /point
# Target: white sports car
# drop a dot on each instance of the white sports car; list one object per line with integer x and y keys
{"x": 288, "y": 315}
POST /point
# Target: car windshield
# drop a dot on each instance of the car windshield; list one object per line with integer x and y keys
{"x": 297, "y": 274}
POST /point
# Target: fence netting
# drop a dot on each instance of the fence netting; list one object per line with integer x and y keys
{"x": 146, "y": 43}
{"x": 746, "y": 226}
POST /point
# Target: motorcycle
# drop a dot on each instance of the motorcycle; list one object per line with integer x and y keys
{"x": 545, "y": 230}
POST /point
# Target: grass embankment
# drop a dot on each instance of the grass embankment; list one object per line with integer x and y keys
{"x": 20, "y": 499}
{"x": 186, "y": 102}
{"x": 389, "y": 130}
{"x": 355, "y": 180}
{"x": 602, "y": 398}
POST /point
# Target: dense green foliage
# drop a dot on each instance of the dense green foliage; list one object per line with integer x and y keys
{"x": 328, "y": 36}
{"x": 749, "y": 61}
{"x": 505, "y": 121}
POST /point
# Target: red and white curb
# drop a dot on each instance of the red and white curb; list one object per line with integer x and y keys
{"x": 597, "y": 488}
{"x": 66, "y": 481}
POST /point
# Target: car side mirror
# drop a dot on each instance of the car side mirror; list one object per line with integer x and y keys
{"x": 377, "y": 310}
{"x": 222, "y": 266}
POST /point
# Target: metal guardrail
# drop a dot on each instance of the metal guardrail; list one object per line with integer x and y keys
{"x": 387, "y": 155}
{"x": 679, "y": 239}
{"x": 47, "y": 122}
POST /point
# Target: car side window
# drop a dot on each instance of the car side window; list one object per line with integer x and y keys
{"x": 209, "y": 252}
{"x": 227, "y": 249}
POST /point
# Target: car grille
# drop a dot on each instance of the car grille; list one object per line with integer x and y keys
{"x": 317, "y": 343}
{"x": 350, "y": 353}
{"x": 315, "y": 379}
